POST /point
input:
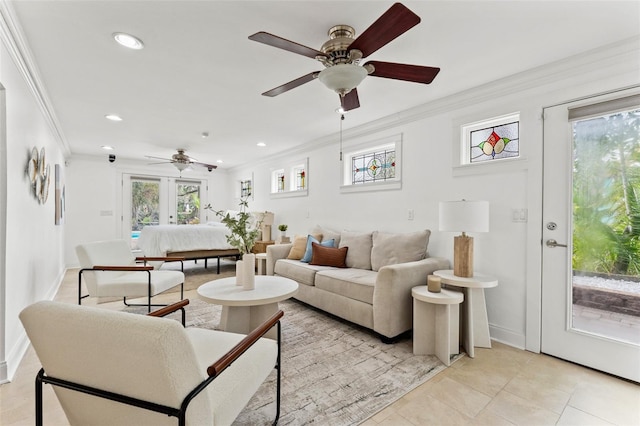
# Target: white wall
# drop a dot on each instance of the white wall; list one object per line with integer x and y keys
{"x": 33, "y": 263}
{"x": 510, "y": 251}
{"x": 94, "y": 187}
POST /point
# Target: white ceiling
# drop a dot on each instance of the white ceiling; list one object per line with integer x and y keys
{"x": 199, "y": 72}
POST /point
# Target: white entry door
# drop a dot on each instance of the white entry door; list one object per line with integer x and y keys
{"x": 591, "y": 240}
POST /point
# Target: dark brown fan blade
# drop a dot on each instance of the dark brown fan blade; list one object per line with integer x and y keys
{"x": 281, "y": 43}
{"x": 415, "y": 73}
{"x": 208, "y": 166}
{"x": 393, "y": 23}
{"x": 292, "y": 84}
{"x": 350, "y": 100}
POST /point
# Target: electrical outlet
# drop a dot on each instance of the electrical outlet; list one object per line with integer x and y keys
{"x": 410, "y": 214}
{"x": 519, "y": 215}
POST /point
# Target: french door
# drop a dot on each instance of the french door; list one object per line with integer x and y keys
{"x": 591, "y": 233}
{"x": 152, "y": 200}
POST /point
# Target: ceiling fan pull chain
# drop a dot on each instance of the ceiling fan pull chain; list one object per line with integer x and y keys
{"x": 341, "y": 120}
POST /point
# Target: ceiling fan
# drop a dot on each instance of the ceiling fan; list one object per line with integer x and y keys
{"x": 342, "y": 53}
{"x": 182, "y": 161}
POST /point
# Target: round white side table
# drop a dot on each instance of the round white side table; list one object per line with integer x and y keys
{"x": 261, "y": 258}
{"x": 436, "y": 322}
{"x": 475, "y": 324}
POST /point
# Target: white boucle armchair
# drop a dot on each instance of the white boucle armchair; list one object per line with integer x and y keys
{"x": 116, "y": 368}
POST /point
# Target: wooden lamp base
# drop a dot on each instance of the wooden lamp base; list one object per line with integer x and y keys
{"x": 463, "y": 256}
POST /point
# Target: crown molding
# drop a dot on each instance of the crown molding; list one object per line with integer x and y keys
{"x": 12, "y": 37}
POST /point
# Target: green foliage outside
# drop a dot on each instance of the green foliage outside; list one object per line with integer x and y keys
{"x": 145, "y": 204}
{"x": 188, "y": 201}
{"x": 606, "y": 194}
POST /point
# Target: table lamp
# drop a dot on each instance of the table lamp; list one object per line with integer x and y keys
{"x": 267, "y": 221}
{"x": 463, "y": 216}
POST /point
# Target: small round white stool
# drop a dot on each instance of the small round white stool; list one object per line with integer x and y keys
{"x": 261, "y": 258}
{"x": 436, "y": 322}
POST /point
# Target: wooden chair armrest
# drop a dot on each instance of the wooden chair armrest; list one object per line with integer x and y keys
{"x": 121, "y": 268}
{"x": 217, "y": 367}
{"x": 169, "y": 309}
{"x": 159, "y": 259}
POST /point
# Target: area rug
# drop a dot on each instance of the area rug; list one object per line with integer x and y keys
{"x": 333, "y": 372}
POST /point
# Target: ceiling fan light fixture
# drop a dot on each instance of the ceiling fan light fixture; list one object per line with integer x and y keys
{"x": 181, "y": 166}
{"x": 342, "y": 78}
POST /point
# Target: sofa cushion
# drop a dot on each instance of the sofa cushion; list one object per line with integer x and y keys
{"x": 391, "y": 249}
{"x": 359, "y": 254}
{"x": 298, "y": 271}
{"x": 309, "y": 249}
{"x": 299, "y": 246}
{"x": 328, "y": 256}
{"x": 328, "y": 234}
{"x": 357, "y": 284}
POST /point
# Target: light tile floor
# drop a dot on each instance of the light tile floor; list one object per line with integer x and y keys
{"x": 500, "y": 386}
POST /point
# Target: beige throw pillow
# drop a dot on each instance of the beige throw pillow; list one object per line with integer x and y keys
{"x": 390, "y": 249}
{"x": 299, "y": 246}
{"x": 359, "y": 254}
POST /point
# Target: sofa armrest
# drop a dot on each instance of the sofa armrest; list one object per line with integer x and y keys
{"x": 275, "y": 252}
{"x": 392, "y": 302}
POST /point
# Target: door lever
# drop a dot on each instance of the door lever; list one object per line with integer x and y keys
{"x": 553, "y": 243}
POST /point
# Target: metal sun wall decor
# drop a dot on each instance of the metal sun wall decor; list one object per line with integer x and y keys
{"x": 39, "y": 175}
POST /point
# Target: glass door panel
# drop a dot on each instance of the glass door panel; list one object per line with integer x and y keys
{"x": 187, "y": 202}
{"x": 606, "y": 225}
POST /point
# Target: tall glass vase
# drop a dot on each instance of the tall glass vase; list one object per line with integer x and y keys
{"x": 249, "y": 273}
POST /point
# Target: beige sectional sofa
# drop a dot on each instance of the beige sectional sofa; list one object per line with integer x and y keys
{"x": 374, "y": 290}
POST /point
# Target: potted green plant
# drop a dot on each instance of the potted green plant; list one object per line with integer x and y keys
{"x": 283, "y": 233}
{"x": 244, "y": 230}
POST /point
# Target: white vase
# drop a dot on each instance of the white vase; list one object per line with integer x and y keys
{"x": 249, "y": 273}
{"x": 239, "y": 272}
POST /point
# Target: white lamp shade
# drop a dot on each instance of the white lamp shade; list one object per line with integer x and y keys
{"x": 464, "y": 216}
{"x": 342, "y": 78}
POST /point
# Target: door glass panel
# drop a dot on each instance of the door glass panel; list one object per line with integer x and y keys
{"x": 145, "y": 206}
{"x": 187, "y": 203}
{"x": 606, "y": 226}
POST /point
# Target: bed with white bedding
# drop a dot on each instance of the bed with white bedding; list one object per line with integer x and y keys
{"x": 189, "y": 241}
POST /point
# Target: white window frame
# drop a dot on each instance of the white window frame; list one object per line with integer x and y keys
{"x": 290, "y": 171}
{"x": 462, "y": 129}
{"x": 392, "y": 143}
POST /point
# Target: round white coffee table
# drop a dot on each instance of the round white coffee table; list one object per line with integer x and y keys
{"x": 244, "y": 310}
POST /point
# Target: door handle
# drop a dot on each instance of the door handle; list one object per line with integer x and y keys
{"x": 553, "y": 243}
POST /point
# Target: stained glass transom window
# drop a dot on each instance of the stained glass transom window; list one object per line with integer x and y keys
{"x": 245, "y": 188}
{"x": 494, "y": 142}
{"x": 300, "y": 179}
{"x": 280, "y": 181}
{"x": 373, "y": 166}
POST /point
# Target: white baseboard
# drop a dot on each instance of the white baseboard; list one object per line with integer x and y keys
{"x": 508, "y": 337}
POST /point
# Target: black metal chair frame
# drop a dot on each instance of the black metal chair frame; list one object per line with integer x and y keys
{"x": 180, "y": 413}
{"x": 144, "y": 268}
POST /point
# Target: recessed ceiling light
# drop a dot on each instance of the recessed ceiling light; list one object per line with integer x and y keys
{"x": 261, "y": 144}
{"x": 204, "y": 135}
{"x": 107, "y": 147}
{"x": 113, "y": 117}
{"x": 127, "y": 40}
{"x": 219, "y": 161}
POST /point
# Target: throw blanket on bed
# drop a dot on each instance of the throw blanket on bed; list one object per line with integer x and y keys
{"x": 158, "y": 240}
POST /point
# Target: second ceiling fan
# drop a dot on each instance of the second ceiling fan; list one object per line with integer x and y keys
{"x": 342, "y": 53}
